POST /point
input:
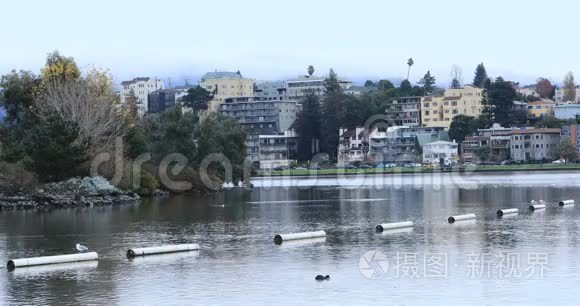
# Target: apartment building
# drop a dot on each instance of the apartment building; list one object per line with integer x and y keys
{"x": 534, "y": 144}
{"x": 405, "y": 111}
{"x": 259, "y": 116}
{"x": 277, "y": 150}
{"x": 164, "y": 99}
{"x": 353, "y": 145}
{"x": 572, "y": 132}
{"x": 391, "y": 147}
{"x": 495, "y": 139}
{"x": 439, "y": 111}
{"x": 440, "y": 153}
{"x": 567, "y": 111}
{"x": 541, "y": 108}
{"x": 140, "y": 87}
{"x": 224, "y": 85}
{"x": 301, "y": 86}
{"x": 559, "y": 96}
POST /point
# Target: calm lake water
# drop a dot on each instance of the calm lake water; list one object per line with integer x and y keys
{"x": 531, "y": 259}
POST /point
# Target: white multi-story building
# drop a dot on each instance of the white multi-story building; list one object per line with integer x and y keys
{"x": 559, "y": 97}
{"x": 440, "y": 152}
{"x": 277, "y": 150}
{"x": 299, "y": 87}
{"x": 353, "y": 145}
{"x": 141, "y": 88}
{"x": 567, "y": 111}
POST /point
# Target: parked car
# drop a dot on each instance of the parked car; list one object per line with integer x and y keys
{"x": 365, "y": 167}
{"x": 279, "y": 168}
{"x": 300, "y": 168}
{"x": 315, "y": 167}
{"x": 559, "y": 161}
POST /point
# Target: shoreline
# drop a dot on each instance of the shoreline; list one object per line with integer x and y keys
{"x": 401, "y": 170}
{"x": 76, "y": 192}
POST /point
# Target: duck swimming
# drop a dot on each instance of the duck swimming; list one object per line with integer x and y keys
{"x": 321, "y": 277}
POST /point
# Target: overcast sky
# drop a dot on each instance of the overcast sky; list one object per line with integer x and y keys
{"x": 520, "y": 40}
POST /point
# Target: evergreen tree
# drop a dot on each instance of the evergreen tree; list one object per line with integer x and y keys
{"x": 308, "y": 127}
{"x": 481, "y": 77}
{"x": 455, "y": 84}
{"x": 461, "y": 127}
{"x": 385, "y": 85}
{"x": 369, "y": 84}
{"x": 53, "y": 151}
{"x": 310, "y": 70}
{"x": 197, "y": 98}
{"x": 501, "y": 95}
{"x": 331, "y": 84}
{"x": 428, "y": 83}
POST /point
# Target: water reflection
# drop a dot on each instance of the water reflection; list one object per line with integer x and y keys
{"x": 238, "y": 261}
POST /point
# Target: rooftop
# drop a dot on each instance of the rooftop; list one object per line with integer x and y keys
{"x": 221, "y": 75}
{"x": 536, "y": 131}
{"x": 135, "y": 80}
{"x": 306, "y": 78}
{"x": 440, "y": 142}
{"x": 542, "y": 102}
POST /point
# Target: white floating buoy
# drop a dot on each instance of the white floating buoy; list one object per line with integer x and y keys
{"x": 537, "y": 207}
{"x": 396, "y": 225}
{"x": 453, "y": 219}
{"x": 162, "y": 249}
{"x": 48, "y": 260}
{"x": 297, "y": 236}
{"x": 566, "y": 203}
{"x": 508, "y": 211}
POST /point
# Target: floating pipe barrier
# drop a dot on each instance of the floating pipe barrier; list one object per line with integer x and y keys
{"x": 49, "y": 260}
{"x": 402, "y": 230}
{"x": 508, "y": 211}
{"x": 566, "y": 203}
{"x": 396, "y": 225}
{"x": 302, "y": 243}
{"x": 453, "y": 219}
{"x": 132, "y": 253}
{"x": 278, "y": 239}
{"x": 537, "y": 207}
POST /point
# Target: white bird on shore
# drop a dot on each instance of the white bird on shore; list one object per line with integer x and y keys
{"x": 543, "y": 202}
{"x": 533, "y": 202}
{"x": 81, "y": 248}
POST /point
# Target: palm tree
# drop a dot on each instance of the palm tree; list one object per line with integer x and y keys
{"x": 410, "y": 62}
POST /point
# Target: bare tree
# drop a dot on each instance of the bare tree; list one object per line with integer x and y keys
{"x": 569, "y": 88}
{"x": 456, "y": 77}
{"x": 90, "y": 105}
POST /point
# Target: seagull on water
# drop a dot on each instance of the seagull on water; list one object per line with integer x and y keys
{"x": 81, "y": 248}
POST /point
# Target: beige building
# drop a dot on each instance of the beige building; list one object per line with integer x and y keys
{"x": 439, "y": 111}
{"x": 541, "y": 108}
{"x": 225, "y": 85}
